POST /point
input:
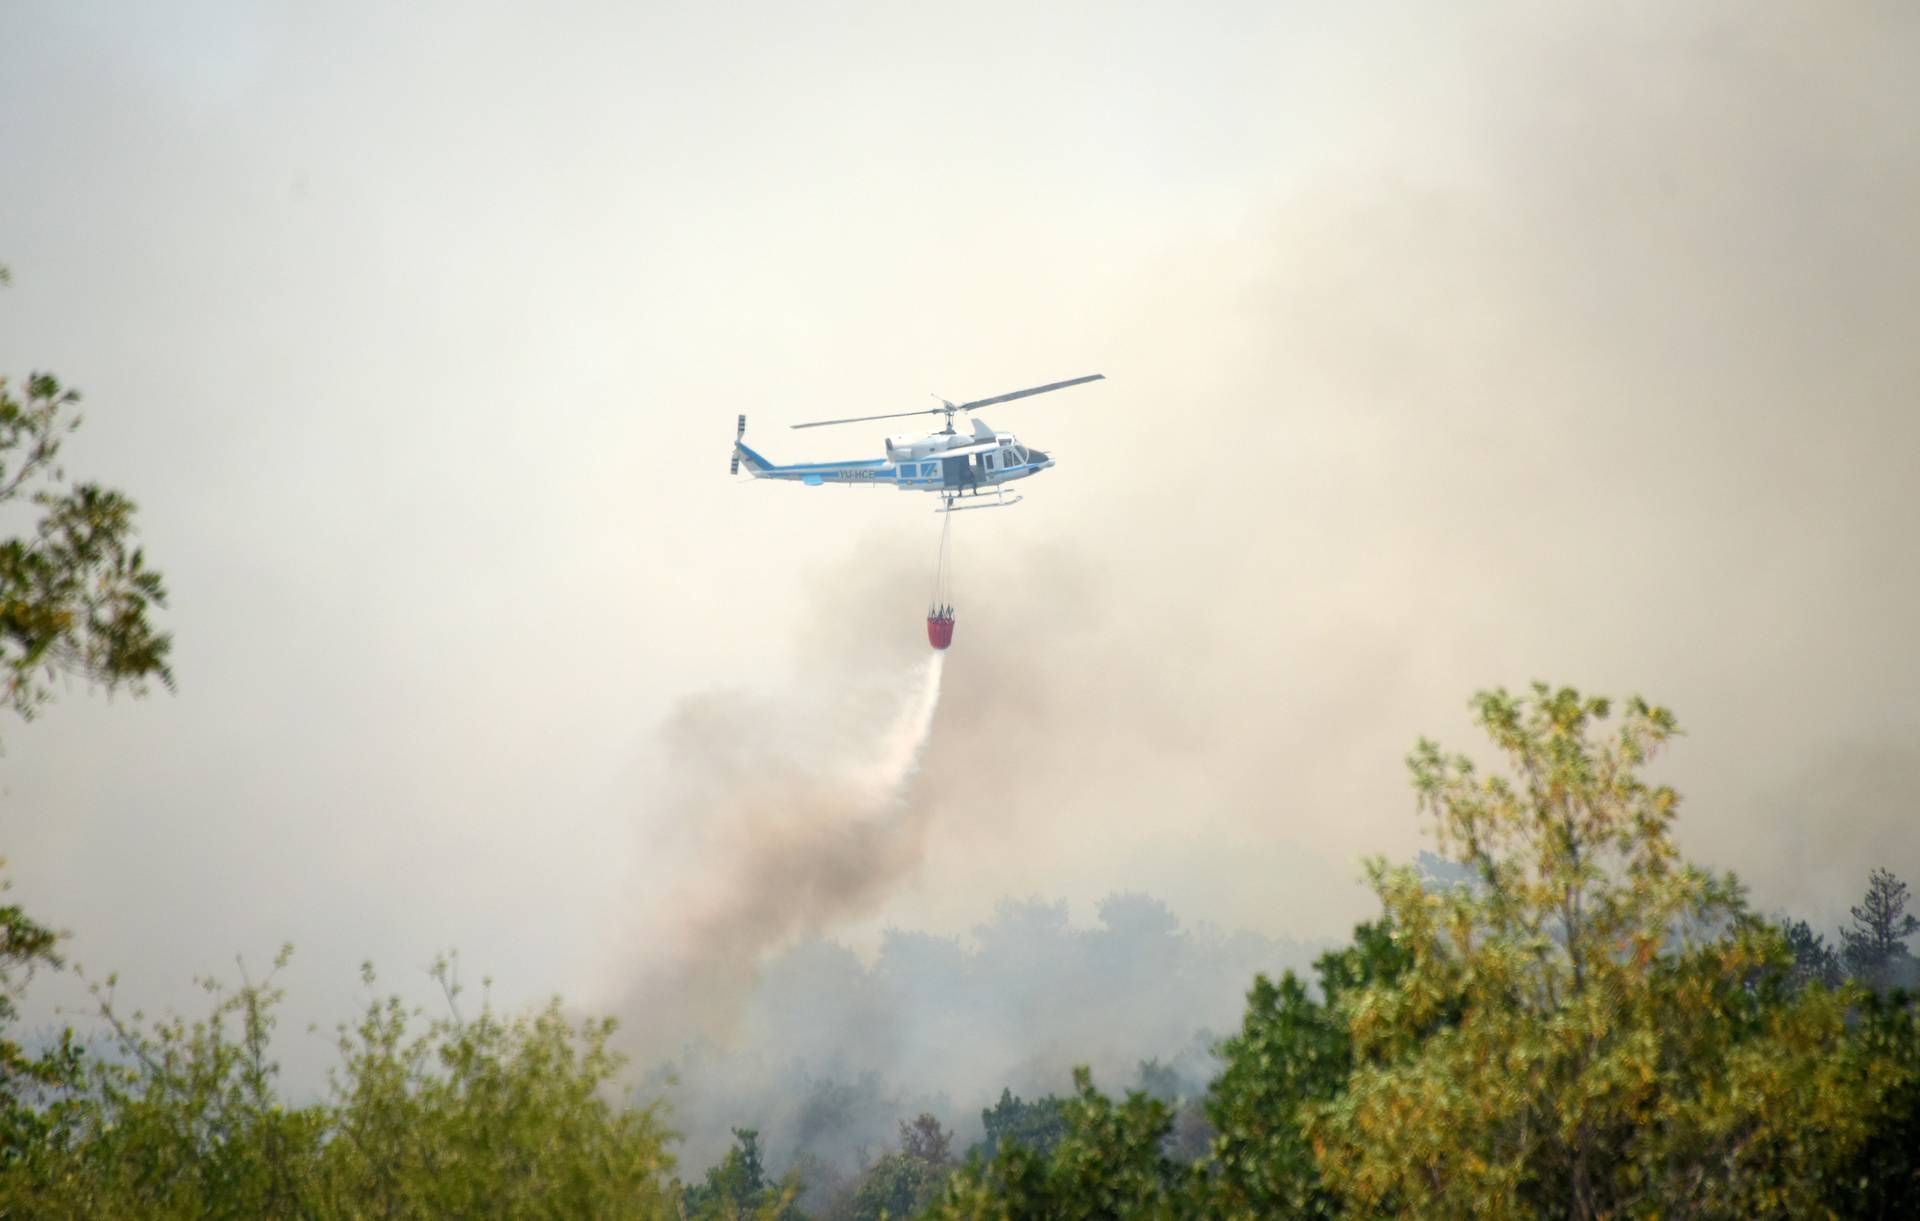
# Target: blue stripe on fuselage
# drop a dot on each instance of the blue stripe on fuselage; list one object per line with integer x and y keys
{"x": 848, "y": 472}
{"x": 832, "y": 466}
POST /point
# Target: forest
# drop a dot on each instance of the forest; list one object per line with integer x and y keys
{"x": 1554, "y": 1013}
{"x": 1574, "y": 1022}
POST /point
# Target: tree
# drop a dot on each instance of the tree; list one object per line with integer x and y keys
{"x": 489, "y": 1115}
{"x": 1875, "y": 946}
{"x": 28, "y": 1081}
{"x": 926, "y": 1141}
{"x": 1592, "y": 1027}
{"x": 739, "y": 1187}
{"x": 1565, "y": 1020}
{"x": 1192, "y": 1136}
{"x": 1814, "y": 961}
{"x": 903, "y": 1183}
{"x": 74, "y": 596}
{"x": 1109, "y": 1162}
{"x": 1036, "y": 1125}
{"x": 1882, "y": 1179}
{"x": 1292, "y": 1051}
{"x": 75, "y": 591}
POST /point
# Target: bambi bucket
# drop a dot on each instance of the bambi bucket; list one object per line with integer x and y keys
{"x": 939, "y": 630}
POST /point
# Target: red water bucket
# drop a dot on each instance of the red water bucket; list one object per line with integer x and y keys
{"x": 939, "y": 630}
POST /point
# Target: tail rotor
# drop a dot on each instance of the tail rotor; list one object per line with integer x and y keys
{"x": 733, "y": 468}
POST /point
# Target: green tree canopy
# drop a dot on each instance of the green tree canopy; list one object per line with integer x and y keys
{"x": 1557, "y": 1017}
{"x": 1292, "y": 1051}
{"x": 29, "y": 1079}
{"x": 1111, "y": 1161}
{"x": 740, "y": 1188}
{"x": 1037, "y": 1125}
{"x": 1814, "y": 961}
{"x": 1593, "y": 1027}
{"x": 452, "y": 1116}
{"x": 902, "y": 1183}
{"x": 74, "y": 597}
{"x": 75, "y": 591}
{"x": 1874, "y": 946}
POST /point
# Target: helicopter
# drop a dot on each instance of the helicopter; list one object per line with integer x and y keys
{"x": 974, "y": 466}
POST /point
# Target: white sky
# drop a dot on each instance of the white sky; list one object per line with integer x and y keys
{"x": 1447, "y": 346}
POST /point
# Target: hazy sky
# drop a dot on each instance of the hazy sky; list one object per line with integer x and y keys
{"x": 1447, "y": 346}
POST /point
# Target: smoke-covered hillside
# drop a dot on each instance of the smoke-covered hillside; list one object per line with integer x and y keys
{"x": 830, "y": 1051}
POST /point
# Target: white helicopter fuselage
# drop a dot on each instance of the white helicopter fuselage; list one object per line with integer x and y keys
{"x": 974, "y": 466}
{"x": 952, "y": 463}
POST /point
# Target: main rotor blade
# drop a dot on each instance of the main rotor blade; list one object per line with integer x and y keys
{"x": 861, "y": 419}
{"x": 1020, "y": 394}
{"x": 946, "y": 408}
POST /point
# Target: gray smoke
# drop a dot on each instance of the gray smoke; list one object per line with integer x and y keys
{"x": 1596, "y": 368}
{"x": 830, "y": 1051}
{"x": 794, "y": 818}
{"x": 1446, "y": 346}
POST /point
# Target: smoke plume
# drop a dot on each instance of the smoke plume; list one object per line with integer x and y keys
{"x": 795, "y": 817}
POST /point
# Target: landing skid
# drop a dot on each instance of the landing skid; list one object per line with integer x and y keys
{"x": 999, "y": 501}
